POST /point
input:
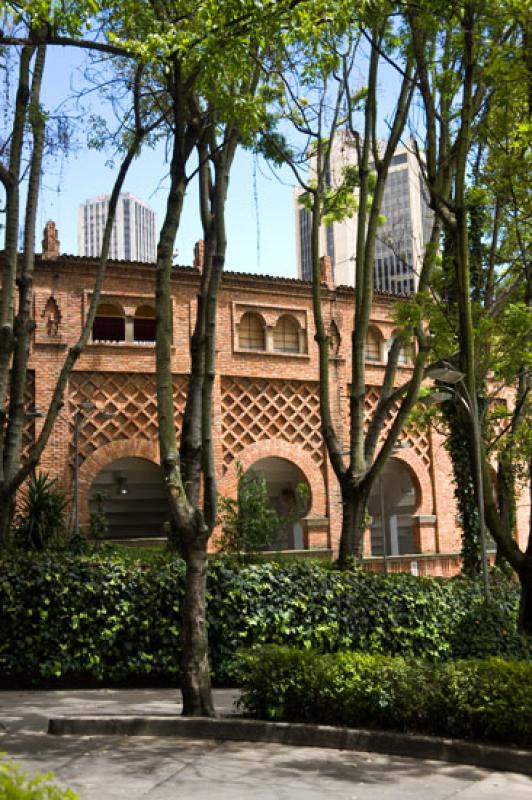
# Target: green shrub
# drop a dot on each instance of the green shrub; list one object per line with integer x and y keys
{"x": 488, "y": 630}
{"x": 479, "y": 699}
{"x": 40, "y": 520}
{"x": 90, "y": 616}
{"x": 306, "y": 606}
{"x": 250, "y": 524}
{"x": 108, "y": 616}
{"x": 15, "y": 784}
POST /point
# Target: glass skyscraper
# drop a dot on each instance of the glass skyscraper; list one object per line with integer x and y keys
{"x": 401, "y": 239}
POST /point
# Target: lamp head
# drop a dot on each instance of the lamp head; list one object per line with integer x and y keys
{"x": 435, "y": 398}
{"x": 447, "y": 374}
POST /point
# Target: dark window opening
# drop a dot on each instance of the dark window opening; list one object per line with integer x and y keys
{"x": 109, "y": 324}
{"x": 109, "y": 329}
{"x": 144, "y": 330}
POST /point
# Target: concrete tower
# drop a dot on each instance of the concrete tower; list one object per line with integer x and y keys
{"x": 133, "y": 236}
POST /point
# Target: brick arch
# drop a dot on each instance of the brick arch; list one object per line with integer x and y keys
{"x": 375, "y": 328}
{"x": 111, "y": 301}
{"x": 374, "y": 333}
{"x": 292, "y": 317}
{"x": 381, "y": 328}
{"x": 105, "y": 455}
{"x": 409, "y": 347}
{"x": 420, "y": 478}
{"x": 241, "y": 312}
{"x": 143, "y": 305}
{"x": 274, "y": 448}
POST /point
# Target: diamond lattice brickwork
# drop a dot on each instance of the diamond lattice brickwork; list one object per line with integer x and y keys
{"x": 131, "y": 400}
{"x": 255, "y": 409}
{"x": 417, "y": 440}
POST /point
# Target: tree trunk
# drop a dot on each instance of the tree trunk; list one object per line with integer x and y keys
{"x": 13, "y": 478}
{"x": 191, "y": 531}
{"x": 506, "y": 498}
{"x": 7, "y": 510}
{"x": 195, "y": 674}
{"x": 11, "y": 185}
{"x": 525, "y": 606}
{"x": 354, "y": 503}
{"x": 24, "y": 324}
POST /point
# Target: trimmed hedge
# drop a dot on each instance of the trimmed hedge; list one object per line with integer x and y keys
{"x": 479, "y": 699}
{"x": 103, "y": 617}
{"x": 94, "y": 617}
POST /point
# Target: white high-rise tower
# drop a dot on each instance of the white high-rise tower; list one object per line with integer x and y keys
{"x": 401, "y": 240}
{"x": 133, "y": 236}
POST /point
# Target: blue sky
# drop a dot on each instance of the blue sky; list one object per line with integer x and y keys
{"x": 260, "y": 211}
{"x": 268, "y": 248}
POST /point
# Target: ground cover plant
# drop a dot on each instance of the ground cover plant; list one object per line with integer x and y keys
{"x": 474, "y": 698}
{"x": 16, "y": 784}
{"x": 102, "y": 617}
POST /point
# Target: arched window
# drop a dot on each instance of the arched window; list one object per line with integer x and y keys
{"x": 109, "y": 324}
{"x": 406, "y": 353}
{"x": 251, "y": 332}
{"x": 144, "y": 324}
{"x": 286, "y": 335}
{"x": 372, "y": 350}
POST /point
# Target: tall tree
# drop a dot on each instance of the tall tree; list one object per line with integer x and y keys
{"x": 205, "y": 57}
{"x": 331, "y": 113}
{"x": 22, "y": 163}
{"x": 464, "y": 63}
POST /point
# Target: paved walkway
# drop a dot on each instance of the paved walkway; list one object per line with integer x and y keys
{"x": 109, "y": 768}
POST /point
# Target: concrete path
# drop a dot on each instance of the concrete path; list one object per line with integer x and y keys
{"x": 109, "y": 768}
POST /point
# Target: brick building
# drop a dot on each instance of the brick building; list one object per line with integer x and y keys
{"x": 266, "y": 407}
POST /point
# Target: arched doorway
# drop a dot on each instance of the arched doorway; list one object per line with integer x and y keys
{"x": 288, "y": 494}
{"x": 392, "y": 499}
{"x": 131, "y": 494}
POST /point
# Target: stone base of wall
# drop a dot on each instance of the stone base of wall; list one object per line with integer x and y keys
{"x": 437, "y": 565}
{"x": 443, "y": 565}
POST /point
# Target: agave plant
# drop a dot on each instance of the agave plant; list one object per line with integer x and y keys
{"x": 41, "y": 516}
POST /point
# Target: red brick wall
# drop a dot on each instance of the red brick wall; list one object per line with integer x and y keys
{"x": 280, "y": 388}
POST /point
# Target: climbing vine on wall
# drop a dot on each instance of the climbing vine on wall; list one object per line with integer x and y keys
{"x": 457, "y": 445}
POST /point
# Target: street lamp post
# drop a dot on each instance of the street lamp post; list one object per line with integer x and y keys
{"x": 78, "y": 419}
{"x": 383, "y": 526}
{"x": 451, "y": 376}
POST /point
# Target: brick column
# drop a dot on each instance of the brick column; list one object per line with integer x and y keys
{"x": 448, "y": 531}
{"x": 316, "y": 533}
{"x": 129, "y": 329}
{"x": 268, "y": 338}
{"x": 424, "y": 533}
{"x": 366, "y": 547}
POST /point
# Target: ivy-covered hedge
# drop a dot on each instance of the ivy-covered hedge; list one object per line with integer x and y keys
{"x": 107, "y": 618}
{"x": 479, "y": 699}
